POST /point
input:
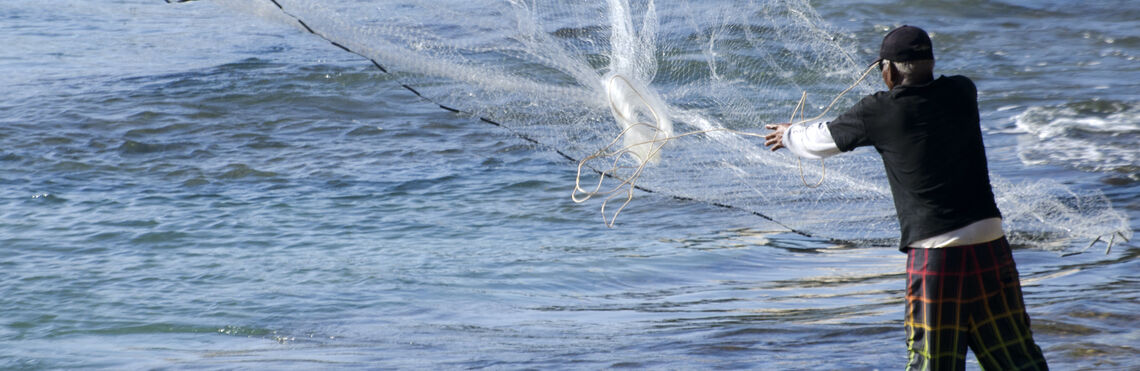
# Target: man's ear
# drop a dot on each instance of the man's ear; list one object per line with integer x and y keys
{"x": 888, "y": 75}
{"x": 891, "y": 75}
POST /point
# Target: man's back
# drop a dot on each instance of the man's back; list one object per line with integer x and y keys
{"x": 931, "y": 144}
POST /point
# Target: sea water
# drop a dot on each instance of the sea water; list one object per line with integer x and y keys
{"x": 188, "y": 187}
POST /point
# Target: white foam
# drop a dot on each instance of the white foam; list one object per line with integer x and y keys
{"x": 1098, "y": 136}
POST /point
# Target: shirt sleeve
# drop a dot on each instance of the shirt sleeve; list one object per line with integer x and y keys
{"x": 810, "y": 140}
{"x": 849, "y": 129}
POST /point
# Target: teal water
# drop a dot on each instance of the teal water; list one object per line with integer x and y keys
{"x": 186, "y": 187}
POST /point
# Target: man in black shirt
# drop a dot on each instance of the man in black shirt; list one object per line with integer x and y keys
{"x": 963, "y": 289}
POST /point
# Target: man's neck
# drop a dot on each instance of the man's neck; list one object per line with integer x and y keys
{"x": 916, "y": 80}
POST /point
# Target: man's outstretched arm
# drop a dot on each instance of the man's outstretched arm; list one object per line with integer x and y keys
{"x": 808, "y": 140}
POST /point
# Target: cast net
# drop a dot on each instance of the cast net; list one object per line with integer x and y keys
{"x": 660, "y": 97}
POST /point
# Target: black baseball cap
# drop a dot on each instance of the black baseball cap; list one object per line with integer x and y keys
{"x": 906, "y": 43}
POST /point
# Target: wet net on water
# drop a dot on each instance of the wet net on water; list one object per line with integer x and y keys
{"x": 663, "y": 97}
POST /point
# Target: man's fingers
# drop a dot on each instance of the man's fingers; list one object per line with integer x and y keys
{"x": 775, "y": 139}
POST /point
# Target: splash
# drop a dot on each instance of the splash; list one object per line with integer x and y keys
{"x": 1095, "y": 135}
{"x": 610, "y": 85}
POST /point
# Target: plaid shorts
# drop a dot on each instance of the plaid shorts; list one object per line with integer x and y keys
{"x": 967, "y": 296}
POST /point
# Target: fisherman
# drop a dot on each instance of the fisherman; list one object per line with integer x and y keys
{"x": 962, "y": 286}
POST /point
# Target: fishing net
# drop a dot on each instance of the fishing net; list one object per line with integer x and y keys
{"x": 661, "y": 97}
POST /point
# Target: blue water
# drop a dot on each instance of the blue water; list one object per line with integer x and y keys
{"x": 184, "y": 186}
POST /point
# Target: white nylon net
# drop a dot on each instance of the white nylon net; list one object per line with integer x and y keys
{"x": 546, "y": 70}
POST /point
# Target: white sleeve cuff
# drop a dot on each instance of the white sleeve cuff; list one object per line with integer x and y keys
{"x": 810, "y": 140}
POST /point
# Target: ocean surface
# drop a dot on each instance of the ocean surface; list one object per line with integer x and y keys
{"x": 187, "y": 186}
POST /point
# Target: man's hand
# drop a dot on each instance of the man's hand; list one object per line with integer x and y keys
{"x": 775, "y": 139}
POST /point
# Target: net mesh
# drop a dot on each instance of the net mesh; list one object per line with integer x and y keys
{"x": 540, "y": 68}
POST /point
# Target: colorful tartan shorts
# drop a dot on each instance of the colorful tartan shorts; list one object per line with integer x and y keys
{"x": 967, "y": 296}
